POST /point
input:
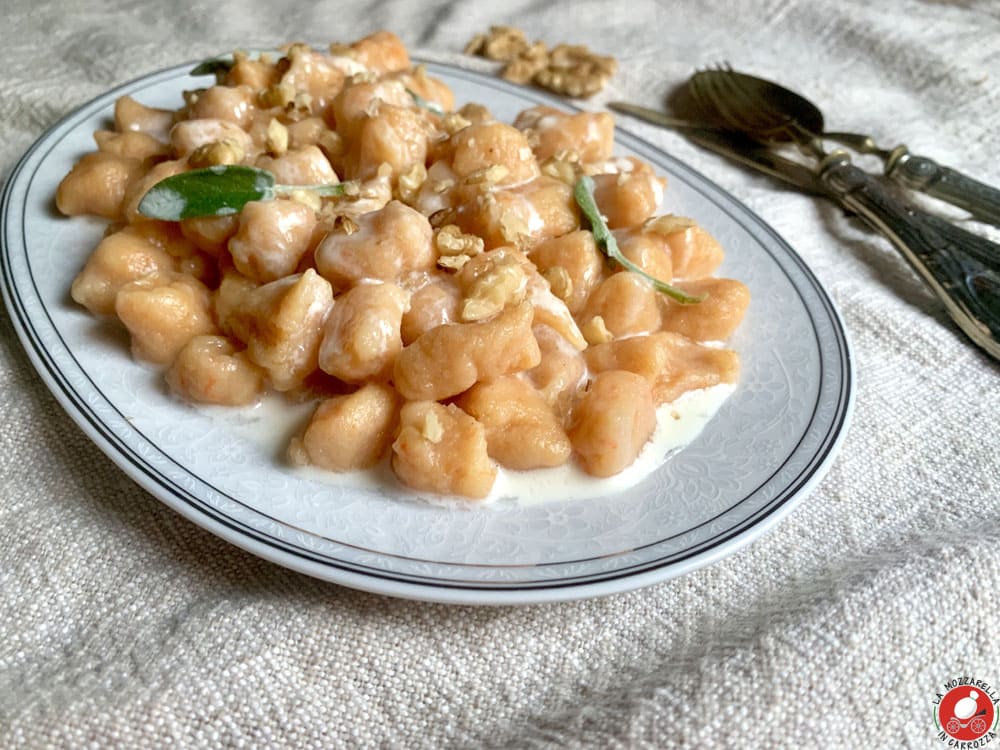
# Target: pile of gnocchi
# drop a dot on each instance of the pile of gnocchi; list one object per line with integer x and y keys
{"x": 449, "y": 309}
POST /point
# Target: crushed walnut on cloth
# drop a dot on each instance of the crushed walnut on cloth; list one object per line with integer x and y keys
{"x": 567, "y": 69}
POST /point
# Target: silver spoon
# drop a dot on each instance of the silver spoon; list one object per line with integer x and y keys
{"x": 910, "y": 170}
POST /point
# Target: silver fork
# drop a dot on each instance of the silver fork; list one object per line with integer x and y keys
{"x": 960, "y": 267}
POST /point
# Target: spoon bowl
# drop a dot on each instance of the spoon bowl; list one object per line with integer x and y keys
{"x": 786, "y": 106}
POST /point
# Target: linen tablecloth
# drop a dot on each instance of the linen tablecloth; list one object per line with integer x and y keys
{"x": 123, "y": 624}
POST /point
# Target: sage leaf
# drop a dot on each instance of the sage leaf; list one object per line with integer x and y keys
{"x": 211, "y": 67}
{"x": 432, "y": 107}
{"x": 334, "y": 190}
{"x": 583, "y": 193}
{"x": 213, "y": 191}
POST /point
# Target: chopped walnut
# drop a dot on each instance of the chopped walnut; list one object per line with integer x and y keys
{"x": 570, "y": 83}
{"x": 521, "y": 71}
{"x": 374, "y": 108}
{"x": 455, "y": 248}
{"x": 502, "y": 43}
{"x": 302, "y": 101}
{"x": 452, "y": 122}
{"x": 409, "y": 183}
{"x": 568, "y": 69}
{"x": 527, "y": 65}
{"x": 345, "y": 225}
{"x": 450, "y": 240}
{"x": 502, "y": 283}
{"x": 362, "y": 197}
{"x": 307, "y": 198}
{"x": 475, "y": 113}
{"x": 278, "y": 95}
{"x": 573, "y": 56}
{"x": 475, "y": 45}
{"x": 532, "y": 137}
{"x": 276, "y": 140}
{"x": 668, "y": 224}
{"x": 442, "y": 186}
{"x": 453, "y": 262}
{"x": 595, "y": 331}
{"x": 537, "y": 52}
{"x": 433, "y": 430}
{"x": 490, "y": 175}
{"x": 560, "y": 282}
{"x": 564, "y": 169}
{"x": 296, "y": 49}
{"x": 226, "y": 151}
{"x": 514, "y": 228}
{"x": 576, "y": 71}
{"x": 368, "y": 76}
{"x": 337, "y": 223}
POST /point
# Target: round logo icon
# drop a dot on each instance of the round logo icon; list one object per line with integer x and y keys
{"x": 965, "y": 713}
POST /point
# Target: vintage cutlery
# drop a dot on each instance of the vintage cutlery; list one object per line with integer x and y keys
{"x": 961, "y": 268}
{"x": 916, "y": 172}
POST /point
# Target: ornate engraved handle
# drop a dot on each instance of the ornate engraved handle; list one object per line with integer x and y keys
{"x": 921, "y": 173}
{"x": 962, "y": 268}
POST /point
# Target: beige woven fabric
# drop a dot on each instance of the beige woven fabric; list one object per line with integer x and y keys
{"x": 124, "y": 625}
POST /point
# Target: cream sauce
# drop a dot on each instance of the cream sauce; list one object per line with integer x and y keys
{"x": 275, "y": 420}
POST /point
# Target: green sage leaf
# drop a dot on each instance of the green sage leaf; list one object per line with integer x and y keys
{"x": 213, "y": 191}
{"x": 432, "y": 107}
{"x": 583, "y": 193}
{"x": 211, "y": 67}
{"x": 327, "y": 191}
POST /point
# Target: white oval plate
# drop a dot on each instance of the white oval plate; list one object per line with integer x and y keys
{"x": 765, "y": 449}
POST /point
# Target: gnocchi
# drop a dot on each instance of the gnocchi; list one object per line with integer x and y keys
{"x": 443, "y": 286}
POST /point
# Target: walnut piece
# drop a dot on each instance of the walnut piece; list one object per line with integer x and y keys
{"x": 567, "y": 69}
{"x": 564, "y": 166}
{"x": 490, "y": 175}
{"x": 560, "y": 281}
{"x": 596, "y": 331}
{"x": 503, "y": 43}
{"x": 226, "y": 151}
{"x": 668, "y": 224}
{"x": 503, "y": 282}
{"x": 574, "y": 70}
{"x": 409, "y": 183}
{"x": 433, "y": 430}
{"x": 277, "y": 138}
{"x": 452, "y": 122}
{"x": 450, "y": 240}
{"x": 455, "y": 248}
{"x": 278, "y": 95}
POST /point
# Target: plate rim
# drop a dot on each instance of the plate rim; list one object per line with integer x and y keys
{"x": 383, "y": 581}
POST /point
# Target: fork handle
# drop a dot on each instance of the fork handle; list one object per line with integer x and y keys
{"x": 945, "y": 183}
{"x": 963, "y": 269}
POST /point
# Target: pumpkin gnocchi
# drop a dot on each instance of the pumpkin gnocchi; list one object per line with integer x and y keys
{"x": 443, "y": 283}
